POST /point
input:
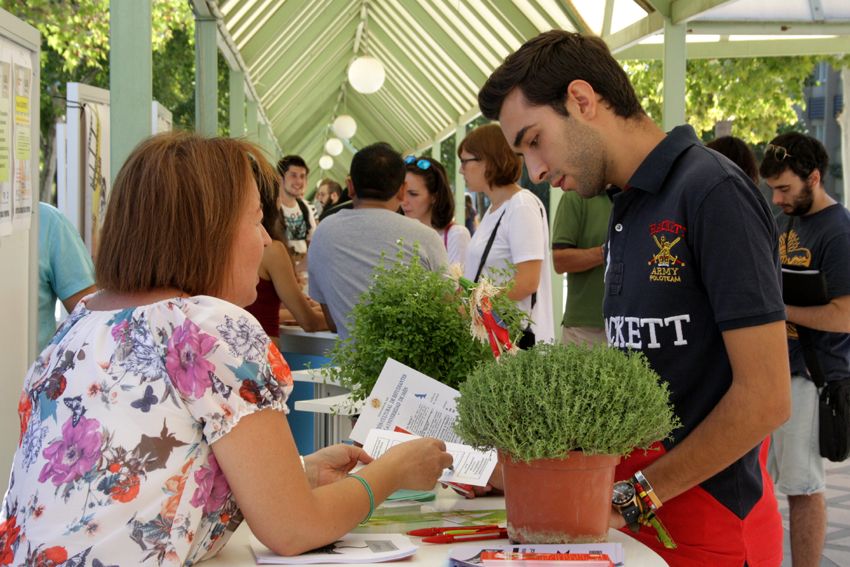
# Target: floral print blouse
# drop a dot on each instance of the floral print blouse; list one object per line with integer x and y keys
{"x": 118, "y": 413}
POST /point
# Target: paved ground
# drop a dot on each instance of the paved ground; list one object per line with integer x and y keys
{"x": 836, "y": 552}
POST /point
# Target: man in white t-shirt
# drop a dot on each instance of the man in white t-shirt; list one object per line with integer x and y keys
{"x": 298, "y": 216}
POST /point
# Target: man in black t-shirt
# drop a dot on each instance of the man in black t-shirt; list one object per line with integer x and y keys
{"x": 815, "y": 235}
{"x": 691, "y": 281}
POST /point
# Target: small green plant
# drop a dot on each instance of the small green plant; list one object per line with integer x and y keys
{"x": 552, "y": 399}
{"x": 417, "y": 317}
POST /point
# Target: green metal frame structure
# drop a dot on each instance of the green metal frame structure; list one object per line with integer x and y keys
{"x": 289, "y": 59}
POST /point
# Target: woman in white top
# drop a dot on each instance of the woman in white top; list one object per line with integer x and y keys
{"x": 515, "y": 227}
{"x": 429, "y": 200}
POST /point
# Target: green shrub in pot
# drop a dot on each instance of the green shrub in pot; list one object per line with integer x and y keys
{"x": 552, "y": 399}
{"x": 419, "y": 318}
{"x": 561, "y": 417}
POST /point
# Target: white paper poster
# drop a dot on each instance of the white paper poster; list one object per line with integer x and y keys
{"x": 406, "y": 398}
{"x": 22, "y": 139}
{"x": 470, "y": 466}
{"x": 96, "y": 170}
{"x": 5, "y": 139}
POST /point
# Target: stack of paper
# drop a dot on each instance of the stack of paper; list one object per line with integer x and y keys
{"x": 584, "y": 555}
{"x": 351, "y": 548}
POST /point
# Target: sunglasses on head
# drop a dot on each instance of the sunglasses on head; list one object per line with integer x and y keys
{"x": 778, "y": 152}
{"x": 421, "y": 163}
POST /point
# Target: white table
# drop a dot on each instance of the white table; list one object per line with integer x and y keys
{"x": 237, "y": 552}
{"x": 295, "y": 339}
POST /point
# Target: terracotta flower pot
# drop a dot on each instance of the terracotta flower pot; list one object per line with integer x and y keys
{"x": 559, "y": 500}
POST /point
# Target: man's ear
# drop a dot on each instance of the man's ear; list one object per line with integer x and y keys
{"x": 814, "y": 177}
{"x": 350, "y": 185}
{"x": 402, "y": 191}
{"x": 582, "y": 99}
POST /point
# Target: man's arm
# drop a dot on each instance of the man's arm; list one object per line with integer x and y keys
{"x": 757, "y": 402}
{"x": 833, "y": 317}
{"x": 574, "y": 260}
{"x": 329, "y": 319}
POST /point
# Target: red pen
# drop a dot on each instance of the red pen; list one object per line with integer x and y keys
{"x": 424, "y": 532}
{"x": 475, "y": 536}
{"x": 459, "y": 533}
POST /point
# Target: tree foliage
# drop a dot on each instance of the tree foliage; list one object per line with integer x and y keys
{"x": 75, "y": 48}
{"x": 759, "y": 95}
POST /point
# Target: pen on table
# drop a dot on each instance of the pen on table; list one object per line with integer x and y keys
{"x": 474, "y": 536}
{"x": 454, "y": 529}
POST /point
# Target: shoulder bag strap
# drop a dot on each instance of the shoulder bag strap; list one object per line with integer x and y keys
{"x": 487, "y": 248}
{"x": 302, "y": 206}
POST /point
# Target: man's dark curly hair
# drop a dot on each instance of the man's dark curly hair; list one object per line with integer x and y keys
{"x": 544, "y": 67}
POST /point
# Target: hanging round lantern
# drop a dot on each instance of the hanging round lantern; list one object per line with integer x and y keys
{"x": 366, "y": 74}
{"x": 333, "y": 146}
{"x": 344, "y": 127}
{"x": 326, "y": 162}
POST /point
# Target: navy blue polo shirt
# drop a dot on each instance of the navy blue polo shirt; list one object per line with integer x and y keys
{"x": 692, "y": 252}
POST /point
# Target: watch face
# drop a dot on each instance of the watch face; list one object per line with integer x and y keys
{"x": 624, "y": 492}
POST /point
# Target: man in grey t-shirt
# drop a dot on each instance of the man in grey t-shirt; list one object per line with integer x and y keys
{"x": 347, "y": 247}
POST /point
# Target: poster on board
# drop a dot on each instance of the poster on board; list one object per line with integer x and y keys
{"x": 22, "y": 184}
{"x": 161, "y": 120}
{"x": 5, "y": 139}
{"x": 95, "y": 170}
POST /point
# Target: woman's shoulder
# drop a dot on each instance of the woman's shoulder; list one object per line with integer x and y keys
{"x": 522, "y": 202}
{"x": 458, "y": 231}
{"x": 204, "y": 311}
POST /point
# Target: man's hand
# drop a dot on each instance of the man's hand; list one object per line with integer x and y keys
{"x": 495, "y": 485}
{"x": 333, "y": 463}
{"x": 616, "y": 520}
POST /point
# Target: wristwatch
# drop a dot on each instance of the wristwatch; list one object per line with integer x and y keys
{"x": 625, "y": 500}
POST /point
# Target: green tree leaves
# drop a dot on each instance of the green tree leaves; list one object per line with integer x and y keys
{"x": 759, "y": 95}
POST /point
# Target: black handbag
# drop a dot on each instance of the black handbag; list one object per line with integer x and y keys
{"x": 835, "y": 421}
{"x": 833, "y": 405}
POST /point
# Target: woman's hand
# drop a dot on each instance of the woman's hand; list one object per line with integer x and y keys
{"x": 419, "y": 463}
{"x": 333, "y": 463}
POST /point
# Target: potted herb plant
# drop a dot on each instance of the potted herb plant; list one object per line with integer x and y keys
{"x": 560, "y": 418}
{"x": 419, "y": 318}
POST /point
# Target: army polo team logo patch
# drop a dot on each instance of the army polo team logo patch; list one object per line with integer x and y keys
{"x": 666, "y": 264}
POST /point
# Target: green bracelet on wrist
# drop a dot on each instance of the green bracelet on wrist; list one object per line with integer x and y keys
{"x": 368, "y": 488}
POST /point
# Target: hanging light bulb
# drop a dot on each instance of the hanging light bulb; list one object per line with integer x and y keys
{"x": 333, "y": 146}
{"x": 326, "y": 162}
{"x": 344, "y": 127}
{"x": 366, "y": 74}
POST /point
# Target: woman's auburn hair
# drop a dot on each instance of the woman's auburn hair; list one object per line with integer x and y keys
{"x": 501, "y": 164}
{"x": 172, "y": 213}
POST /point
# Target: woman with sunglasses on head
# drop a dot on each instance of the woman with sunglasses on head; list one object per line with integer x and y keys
{"x": 429, "y": 200}
{"x": 278, "y": 283}
{"x": 155, "y": 420}
{"x": 513, "y": 233}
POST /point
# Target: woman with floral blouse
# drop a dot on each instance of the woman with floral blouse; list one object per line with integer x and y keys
{"x": 154, "y": 421}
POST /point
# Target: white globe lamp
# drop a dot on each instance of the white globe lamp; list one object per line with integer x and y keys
{"x": 326, "y": 162}
{"x": 344, "y": 127}
{"x": 333, "y": 146}
{"x": 366, "y": 74}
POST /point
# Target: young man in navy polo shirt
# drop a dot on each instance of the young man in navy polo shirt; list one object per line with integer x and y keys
{"x": 814, "y": 235}
{"x": 692, "y": 281}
